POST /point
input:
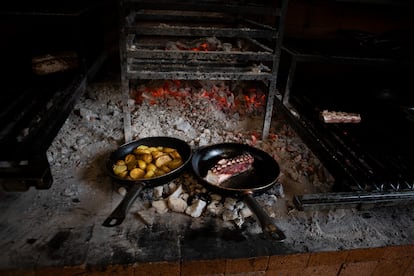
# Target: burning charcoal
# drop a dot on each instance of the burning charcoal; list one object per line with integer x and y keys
{"x": 160, "y": 206}
{"x": 122, "y": 191}
{"x": 177, "y": 204}
{"x": 147, "y": 216}
{"x": 182, "y": 125}
{"x": 199, "y": 196}
{"x": 87, "y": 114}
{"x": 230, "y": 203}
{"x": 170, "y": 188}
{"x": 196, "y": 209}
{"x": 177, "y": 192}
{"x": 239, "y": 221}
{"x": 216, "y": 197}
{"x": 230, "y": 215}
{"x": 227, "y": 47}
{"x": 147, "y": 194}
{"x": 215, "y": 208}
{"x": 246, "y": 212}
{"x": 158, "y": 192}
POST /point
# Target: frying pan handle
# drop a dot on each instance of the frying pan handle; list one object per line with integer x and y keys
{"x": 268, "y": 225}
{"x": 118, "y": 215}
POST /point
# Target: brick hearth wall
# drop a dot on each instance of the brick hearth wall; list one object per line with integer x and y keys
{"x": 394, "y": 260}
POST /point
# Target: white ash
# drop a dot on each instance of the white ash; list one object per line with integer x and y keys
{"x": 178, "y": 205}
{"x": 158, "y": 192}
{"x": 95, "y": 128}
{"x": 196, "y": 209}
{"x": 160, "y": 206}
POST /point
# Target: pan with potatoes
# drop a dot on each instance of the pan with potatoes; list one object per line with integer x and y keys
{"x": 145, "y": 163}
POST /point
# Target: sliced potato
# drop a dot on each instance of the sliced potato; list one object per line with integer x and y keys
{"x": 147, "y": 162}
{"x": 130, "y": 158}
{"x": 162, "y": 160}
{"x": 123, "y": 174}
{"x": 168, "y": 150}
{"x": 174, "y": 164}
{"x": 149, "y": 174}
{"x": 147, "y": 158}
{"x": 156, "y": 154}
{"x": 138, "y": 151}
{"x": 151, "y": 149}
{"x": 136, "y": 173}
{"x": 165, "y": 169}
{"x": 131, "y": 165}
{"x": 119, "y": 169}
{"x": 175, "y": 154}
{"x": 120, "y": 162}
{"x": 159, "y": 172}
{"x": 141, "y": 164}
{"x": 151, "y": 167}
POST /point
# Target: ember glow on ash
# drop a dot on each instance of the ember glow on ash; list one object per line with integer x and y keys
{"x": 199, "y": 45}
{"x": 165, "y": 90}
{"x": 242, "y": 98}
{"x": 254, "y": 99}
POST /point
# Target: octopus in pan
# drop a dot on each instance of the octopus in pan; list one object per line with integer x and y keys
{"x": 229, "y": 167}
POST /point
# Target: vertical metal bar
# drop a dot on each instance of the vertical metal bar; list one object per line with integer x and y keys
{"x": 289, "y": 81}
{"x": 275, "y": 68}
{"x": 124, "y": 79}
{"x": 126, "y": 110}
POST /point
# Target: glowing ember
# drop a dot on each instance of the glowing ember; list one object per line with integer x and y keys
{"x": 243, "y": 101}
{"x": 198, "y": 45}
{"x": 201, "y": 47}
{"x": 254, "y": 100}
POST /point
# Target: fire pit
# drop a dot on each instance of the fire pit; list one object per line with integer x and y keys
{"x": 204, "y": 40}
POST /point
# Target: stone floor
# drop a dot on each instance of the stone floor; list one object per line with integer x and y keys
{"x": 62, "y": 226}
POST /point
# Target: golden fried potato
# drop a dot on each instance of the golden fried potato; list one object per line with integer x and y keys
{"x": 151, "y": 167}
{"x": 136, "y": 173}
{"x": 139, "y": 151}
{"x": 159, "y": 172}
{"x": 147, "y": 162}
{"x": 175, "y": 155}
{"x": 162, "y": 160}
{"x": 156, "y": 154}
{"x": 147, "y": 158}
{"x": 149, "y": 174}
{"x": 120, "y": 162}
{"x": 132, "y": 165}
{"x": 165, "y": 169}
{"x": 119, "y": 169}
{"x": 130, "y": 161}
{"x": 168, "y": 150}
{"x": 130, "y": 158}
{"x": 141, "y": 164}
{"x": 174, "y": 164}
{"x": 123, "y": 174}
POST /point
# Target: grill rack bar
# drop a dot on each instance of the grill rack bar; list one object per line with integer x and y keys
{"x": 23, "y": 162}
{"x": 233, "y": 7}
{"x": 359, "y": 200}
